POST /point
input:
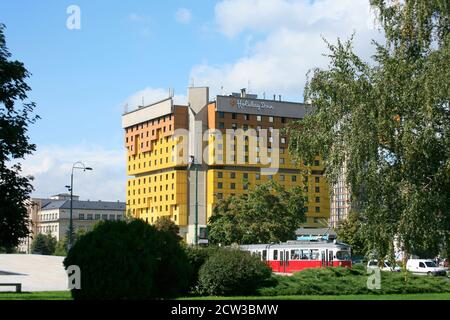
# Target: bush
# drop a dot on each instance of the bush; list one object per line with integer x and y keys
{"x": 44, "y": 244}
{"x": 346, "y": 281}
{"x": 120, "y": 260}
{"x": 197, "y": 256}
{"x": 232, "y": 272}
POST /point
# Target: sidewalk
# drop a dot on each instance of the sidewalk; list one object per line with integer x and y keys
{"x": 34, "y": 272}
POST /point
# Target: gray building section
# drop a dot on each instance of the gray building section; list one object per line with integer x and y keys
{"x": 262, "y": 107}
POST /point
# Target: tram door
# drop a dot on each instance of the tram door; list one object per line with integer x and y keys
{"x": 284, "y": 261}
{"x": 327, "y": 258}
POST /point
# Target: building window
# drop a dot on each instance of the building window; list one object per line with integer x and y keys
{"x": 316, "y": 220}
{"x": 258, "y": 176}
{"x": 283, "y": 120}
{"x": 258, "y": 118}
{"x": 317, "y": 199}
{"x": 270, "y": 119}
{"x": 233, "y": 175}
{"x": 221, "y": 125}
{"x": 81, "y": 216}
{"x": 104, "y": 217}
{"x": 221, "y": 114}
{"x": 283, "y": 140}
{"x": 97, "y": 217}
{"x": 282, "y": 177}
{"x": 233, "y": 116}
{"x": 220, "y": 196}
{"x": 281, "y": 160}
{"x": 246, "y": 117}
{"x": 219, "y": 185}
{"x": 317, "y": 189}
{"x": 112, "y": 217}
{"x": 220, "y": 174}
{"x": 294, "y": 178}
{"x": 89, "y": 216}
{"x": 232, "y": 186}
{"x": 317, "y": 179}
{"x": 317, "y": 209}
{"x": 245, "y": 175}
{"x": 316, "y": 163}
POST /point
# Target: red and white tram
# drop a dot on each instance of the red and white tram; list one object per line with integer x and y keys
{"x": 294, "y": 256}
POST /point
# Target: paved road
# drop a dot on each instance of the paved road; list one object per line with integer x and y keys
{"x": 35, "y": 272}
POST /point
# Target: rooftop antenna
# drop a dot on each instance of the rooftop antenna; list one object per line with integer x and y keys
{"x": 221, "y": 90}
{"x": 171, "y": 92}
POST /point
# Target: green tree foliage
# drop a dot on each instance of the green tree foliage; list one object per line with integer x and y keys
{"x": 388, "y": 122}
{"x": 197, "y": 256}
{"x": 120, "y": 260}
{"x": 44, "y": 244}
{"x": 350, "y": 232}
{"x": 231, "y": 272}
{"x": 165, "y": 224}
{"x": 61, "y": 247}
{"x": 269, "y": 213}
{"x": 15, "y": 116}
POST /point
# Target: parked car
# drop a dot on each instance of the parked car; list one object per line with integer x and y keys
{"x": 387, "y": 266}
{"x": 425, "y": 266}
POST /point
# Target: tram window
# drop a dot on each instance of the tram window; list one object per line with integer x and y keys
{"x": 314, "y": 254}
{"x": 295, "y": 254}
{"x": 304, "y": 255}
{"x": 282, "y": 255}
{"x": 275, "y": 254}
{"x": 343, "y": 255}
{"x": 264, "y": 255}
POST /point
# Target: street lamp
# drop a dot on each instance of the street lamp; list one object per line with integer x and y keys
{"x": 77, "y": 165}
{"x": 191, "y": 164}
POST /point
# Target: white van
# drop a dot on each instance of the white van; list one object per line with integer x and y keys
{"x": 425, "y": 266}
{"x": 387, "y": 266}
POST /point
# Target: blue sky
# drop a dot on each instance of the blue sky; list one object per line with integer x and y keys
{"x": 128, "y": 49}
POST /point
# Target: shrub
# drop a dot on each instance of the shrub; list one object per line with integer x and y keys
{"x": 346, "y": 281}
{"x": 120, "y": 260}
{"x": 44, "y": 244}
{"x": 232, "y": 272}
{"x": 197, "y": 256}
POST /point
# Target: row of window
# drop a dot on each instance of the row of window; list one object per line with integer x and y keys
{"x": 281, "y": 177}
{"x": 232, "y": 186}
{"x": 90, "y": 216}
{"x": 134, "y": 202}
{"x": 247, "y": 117}
{"x": 148, "y": 123}
{"x": 138, "y": 181}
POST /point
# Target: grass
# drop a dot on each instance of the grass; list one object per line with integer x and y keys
{"x": 48, "y": 295}
{"x": 65, "y": 295}
{"x": 418, "y": 296}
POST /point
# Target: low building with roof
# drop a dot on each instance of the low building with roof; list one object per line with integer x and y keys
{"x": 52, "y": 215}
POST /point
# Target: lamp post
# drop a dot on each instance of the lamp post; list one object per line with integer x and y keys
{"x": 77, "y": 165}
{"x": 192, "y": 163}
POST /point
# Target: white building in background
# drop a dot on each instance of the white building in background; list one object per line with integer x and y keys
{"x": 340, "y": 200}
{"x": 52, "y": 216}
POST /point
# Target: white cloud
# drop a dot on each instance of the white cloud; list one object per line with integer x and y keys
{"x": 51, "y": 167}
{"x": 151, "y": 95}
{"x": 290, "y": 44}
{"x": 183, "y": 15}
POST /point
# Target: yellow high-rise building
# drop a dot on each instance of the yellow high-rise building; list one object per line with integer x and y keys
{"x": 207, "y": 150}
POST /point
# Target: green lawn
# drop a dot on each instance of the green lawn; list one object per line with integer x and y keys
{"x": 418, "y": 296}
{"x": 49, "y": 295}
{"x": 65, "y": 295}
